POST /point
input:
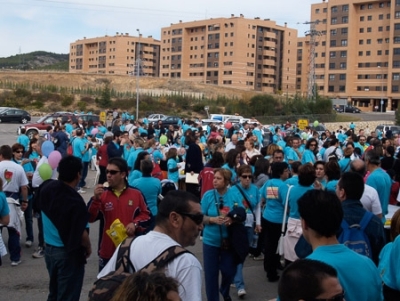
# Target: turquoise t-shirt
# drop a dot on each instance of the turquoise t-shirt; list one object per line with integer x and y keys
{"x": 274, "y": 192}
{"x": 172, "y": 175}
{"x": 381, "y": 181}
{"x": 4, "y": 209}
{"x": 151, "y": 188}
{"x": 295, "y": 193}
{"x": 308, "y": 157}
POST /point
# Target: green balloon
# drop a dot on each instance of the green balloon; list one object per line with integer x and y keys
{"x": 316, "y": 123}
{"x": 45, "y": 171}
{"x": 163, "y": 140}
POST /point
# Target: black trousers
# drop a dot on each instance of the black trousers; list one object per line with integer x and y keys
{"x": 272, "y": 232}
{"x": 390, "y": 294}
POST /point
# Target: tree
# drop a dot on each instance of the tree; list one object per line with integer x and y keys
{"x": 105, "y": 99}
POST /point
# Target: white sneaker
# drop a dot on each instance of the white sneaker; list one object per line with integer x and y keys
{"x": 259, "y": 257}
{"x": 81, "y": 191}
{"x": 241, "y": 293}
{"x": 15, "y": 263}
{"x": 28, "y": 244}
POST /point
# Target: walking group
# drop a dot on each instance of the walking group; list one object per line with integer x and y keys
{"x": 319, "y": 210}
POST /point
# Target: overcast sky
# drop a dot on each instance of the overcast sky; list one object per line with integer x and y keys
{"x": 50, "y": 25}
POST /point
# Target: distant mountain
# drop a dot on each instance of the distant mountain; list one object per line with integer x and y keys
{"x": 38, "y": 60}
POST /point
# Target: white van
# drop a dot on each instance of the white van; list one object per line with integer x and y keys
{"x": 223, "y": 118}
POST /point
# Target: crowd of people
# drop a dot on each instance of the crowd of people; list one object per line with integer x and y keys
{"x": 295, "y": 192}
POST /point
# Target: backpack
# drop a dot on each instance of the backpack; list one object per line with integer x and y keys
{"x": 166, "y": 186}
{"x": 354, "y": 237}
{"x": 105, "y": 287}
{"x": 333, "y": 155}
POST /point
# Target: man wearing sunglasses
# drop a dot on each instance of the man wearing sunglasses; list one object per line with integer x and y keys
{"x": 179, "y": 222}
{"x": 310, "y": 280}
{"x": 118, "y": 201}
{"x": 321, "y": 216}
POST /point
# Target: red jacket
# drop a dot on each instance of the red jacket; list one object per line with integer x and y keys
{"x": 129, "y": 207}
{"x": 102, "y": 155}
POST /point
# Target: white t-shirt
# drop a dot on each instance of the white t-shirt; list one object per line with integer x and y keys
{"x": 186, "y": 269}
{"x": 13, "y": 176}
{"x": 370, "y": 200}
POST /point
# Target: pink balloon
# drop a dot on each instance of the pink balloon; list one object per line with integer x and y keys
{"x": 228, "y": 125}
{"x": 94, "y": 131}
{"x": 54, "y": 158}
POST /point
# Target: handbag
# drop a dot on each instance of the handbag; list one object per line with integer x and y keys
{"x": 279, "y": 250}
{"x": 248, "y": 204}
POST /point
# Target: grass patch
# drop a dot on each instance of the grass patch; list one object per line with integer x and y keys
{"x": 346, "y": 118}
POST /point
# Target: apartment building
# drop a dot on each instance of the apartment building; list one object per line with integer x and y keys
{"x": 357, "y": 54}
{"x": 237, "y": 52}
{"x": 115, "y": 55}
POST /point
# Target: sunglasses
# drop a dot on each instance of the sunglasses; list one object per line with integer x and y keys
{"x": 112, "y": 172}
{"x": 338, "y": 297}
{"x": 19, "y": 152}
{"x": 247, "y": 176}
{"x": 221, "y": 203}
{"x": 197, "y": 218}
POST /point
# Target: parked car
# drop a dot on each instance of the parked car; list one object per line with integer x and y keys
{"x": 87, "y": 117}
{"x": 41, "y": 125}
{"x": 170, "y": 120}
{"x": 156, "y": 117}
{"x": 14, "y": 115}
{"x": 384, "y": 127}
{"x": 338, "y": 108}
{"x": 320, "y": 128}
{"x": 350, "y": 109}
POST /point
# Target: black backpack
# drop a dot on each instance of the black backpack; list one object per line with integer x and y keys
{"x": 105, "y": 287}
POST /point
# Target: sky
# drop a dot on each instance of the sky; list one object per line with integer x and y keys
{"x": 51, "y": 25}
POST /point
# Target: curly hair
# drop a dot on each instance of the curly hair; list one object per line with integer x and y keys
{"x": 142, "y": 286}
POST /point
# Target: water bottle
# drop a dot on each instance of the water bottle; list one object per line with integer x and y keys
{"x": 254, "y": 242}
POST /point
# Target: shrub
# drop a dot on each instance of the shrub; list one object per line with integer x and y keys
{"x": 67, "y": 101}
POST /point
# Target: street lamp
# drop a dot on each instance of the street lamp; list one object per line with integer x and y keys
{"x": 137, "y": 77}
{"x": 382, "y": 90}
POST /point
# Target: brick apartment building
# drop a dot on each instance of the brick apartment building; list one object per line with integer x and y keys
{"x": 115, "y": 55}
{"x": 236, "y": 52}
{"x": 357, "y": 55}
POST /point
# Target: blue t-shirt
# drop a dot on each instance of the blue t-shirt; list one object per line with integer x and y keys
{"x": 150, "y": 188}
{"x": 4, "y": 209}
{"x": 210, "y": 207}
{"x": 24, "y": 140}
{"x": 331, "y": 185}
{"x": 133, "y": 175}
{"x": 133, "y": 155}
{"x": 357, "y": 274}
{"x": 78, "y": 146}
{"x": 294, "y": 180}
{"x": 295, "y": 193}
{"x": 172, "y": 175}
{"x": 274, "y": 192}
{"x": 234, "y": 177}
{"x": 252, "y": 194}
{"x": 391, "y": 276}
{"x": 308, "y": 157}
{"x": 381, "y": 181}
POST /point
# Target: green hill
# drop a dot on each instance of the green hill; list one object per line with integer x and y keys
{"x": 38, "y": 60}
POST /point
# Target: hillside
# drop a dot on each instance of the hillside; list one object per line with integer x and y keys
{"x": 120, "y": 83}
{"x": 38, "y": 60}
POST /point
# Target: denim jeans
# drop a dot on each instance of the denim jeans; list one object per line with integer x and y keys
{"x": 28, "y": 214}
{"x": 14, "y": 245}
{"x": 238, "y": 280}
{"x": 66, "y": 275}
{"x": 84, "y": 173}
{"x": 215, "y": 260}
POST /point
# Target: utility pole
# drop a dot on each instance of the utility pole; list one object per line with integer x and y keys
{"x": 313, "y": 33}
{"x": 137, "y": 76}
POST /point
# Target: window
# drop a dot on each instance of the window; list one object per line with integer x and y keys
{"x": 344, "y": 42}
{"x": 369, "y": 29}
{"x": 360, "y": 53}
{"x": 333, "y": 43}
{"x": 362, "y": 18}
{"x": 333, "y": 20}
{"x": 334, "y": 9}
{"x": 345, "y": 7}
{"x": 368, "y": 41}
{"x": 331, "y": 77}
{"x": 360, "y": 42}
{"x": 368, "y": 53}
{"x": 333, "y": 32}
{"x": 379, "y": 52}
{"x": 380, "y": 28}
{"x": 362, "y": 6}
{"x": 396, "y": 40}
{"x": 395, "y": 88}
{"x": 343, "y": 65}
{"x": 332, "y": 65}
{"x": 370, "y": 6}
{"x": 361, "y": 30}
{"x": 396, "y": 76}
{"x": 332, "y": 54}
{"x": 322, "y": 54}
{"x": 369, "y": 18}
{"x": 344, "y": 30}
{"x": 345, "y": 19}
{"x": 343, "y": 53}
{"x": 380, "y": 17}
{"x": 331, "y": 89}
{"x": 396, "y": 51}
{"x": 397, "y": 26}
{"x": 342, "y": 76}
{"x": 317, "y": 11}
{"x": 381, "y": 4}
{"x": 342, "y": 88}
{"x": 397, "y": 15}
{"x": 396, "y": 64}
